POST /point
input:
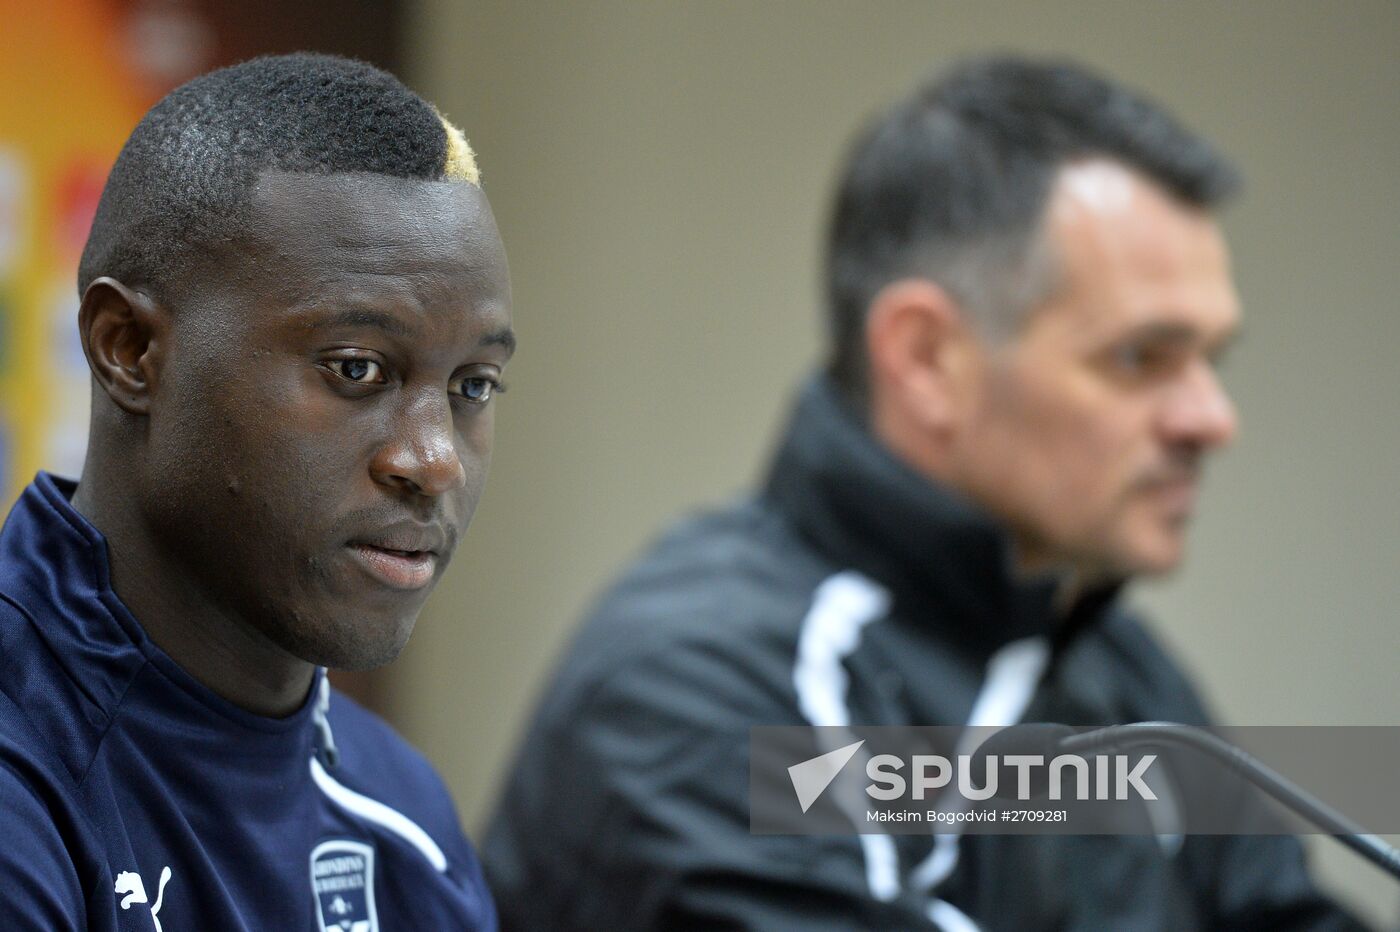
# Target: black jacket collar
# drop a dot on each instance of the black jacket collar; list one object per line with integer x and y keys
{"x": 943, "y": 558}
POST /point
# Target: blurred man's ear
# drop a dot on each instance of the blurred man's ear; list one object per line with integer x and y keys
{"x": 123, "y": 333}
{"x": 920, "y": 349}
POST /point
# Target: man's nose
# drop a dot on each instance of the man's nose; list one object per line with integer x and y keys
{"x": 1199, "y": 411}
{"x": 419, "y": 454}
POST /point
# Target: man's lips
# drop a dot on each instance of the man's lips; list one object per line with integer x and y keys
{"x": 1177, "y": 495}
{"x": 401, "y": 554}
{"x": 398, "y": 569}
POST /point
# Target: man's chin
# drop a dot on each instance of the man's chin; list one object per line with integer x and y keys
{"x": 359, "y": 663}
{"x": 365, "y": 645}
{"x": 1156, "y": 558}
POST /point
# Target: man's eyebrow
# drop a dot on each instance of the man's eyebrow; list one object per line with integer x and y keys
{"x": 1165, "y": 332}
{"x": 1217, "y": 346}
{"x": 504, "y": 337}
{"x": 391, "y": 324}
{"x": 365, "y": 317}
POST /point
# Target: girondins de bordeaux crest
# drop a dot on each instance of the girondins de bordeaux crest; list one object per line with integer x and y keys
{"x": 342, "y": 877}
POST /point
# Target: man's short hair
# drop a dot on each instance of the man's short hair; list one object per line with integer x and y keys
{"x": 182, "y": 182}
{"x": 951, "y": 184}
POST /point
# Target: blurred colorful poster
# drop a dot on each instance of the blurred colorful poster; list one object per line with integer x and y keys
{"x": 77, "y": 75}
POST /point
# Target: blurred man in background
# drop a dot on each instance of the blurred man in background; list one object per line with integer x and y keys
{"x": 296, "y": 309}
{"x": 1029, "y": 297}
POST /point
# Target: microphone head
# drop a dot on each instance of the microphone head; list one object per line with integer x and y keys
{"x": 1040, "y": 739}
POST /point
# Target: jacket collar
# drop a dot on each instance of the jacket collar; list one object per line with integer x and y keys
{"x": 943, "y": 558}
{"x": 54, "y": 566}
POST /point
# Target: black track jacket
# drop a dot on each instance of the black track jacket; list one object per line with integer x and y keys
{"x": 849, "y": 586}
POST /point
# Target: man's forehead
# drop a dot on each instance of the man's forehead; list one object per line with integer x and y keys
{"x": 360, "y": 241}
{"x": 1110, "y": 205}
{"x": 368, "y": 208}
{"x": 313, "y": 230}
{"x": 1132, "y": 255}
{"x": 1101, "y": 186}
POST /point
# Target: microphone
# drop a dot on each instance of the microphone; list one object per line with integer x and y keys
{"x": 1035, "y": 739}
{"x": 1050, "y": 740}
{"x": 1039, "y": 739}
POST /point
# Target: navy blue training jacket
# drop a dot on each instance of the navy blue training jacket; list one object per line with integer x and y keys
{"x": 131, "y": 797}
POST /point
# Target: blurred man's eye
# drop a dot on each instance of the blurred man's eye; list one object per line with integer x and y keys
{"x": 1144, "y": 360}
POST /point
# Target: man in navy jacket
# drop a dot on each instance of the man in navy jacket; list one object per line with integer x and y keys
{"x": 296, "y": 309}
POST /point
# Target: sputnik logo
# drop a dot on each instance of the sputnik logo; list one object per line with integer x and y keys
{"x": 811, "y": 777}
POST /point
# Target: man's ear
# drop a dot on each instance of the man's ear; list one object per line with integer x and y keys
{"x": 124, "y": 333}
{"x": 917, "y": 341}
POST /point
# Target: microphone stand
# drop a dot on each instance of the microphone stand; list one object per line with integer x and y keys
{"x": 1118, "y": 737}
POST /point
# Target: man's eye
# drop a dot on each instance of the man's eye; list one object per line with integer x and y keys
{"x": 1137, "y": 359}
{"x": 364, "y": 371}
{"x": 478, "y": 389}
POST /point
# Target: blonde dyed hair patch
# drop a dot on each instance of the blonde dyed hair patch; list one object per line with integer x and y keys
{"x": 461, "y": 160}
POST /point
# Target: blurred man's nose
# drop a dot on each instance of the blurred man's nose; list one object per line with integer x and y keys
{"x": 1199, "y": 411}
{"x": 419, "y": 453}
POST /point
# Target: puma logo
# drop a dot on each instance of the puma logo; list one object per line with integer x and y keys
{"x": 129, "y": 882}
{"x": 132, "y": 890}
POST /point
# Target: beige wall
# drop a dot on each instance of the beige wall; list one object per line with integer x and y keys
{"x": 660, "y": 173}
